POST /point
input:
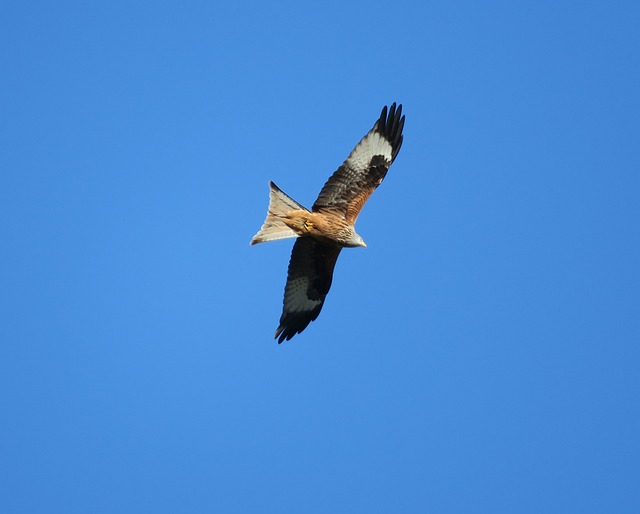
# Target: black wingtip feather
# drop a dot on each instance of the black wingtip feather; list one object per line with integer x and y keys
{"x": 390, "y": 125}
{"x": 293, "y": 324}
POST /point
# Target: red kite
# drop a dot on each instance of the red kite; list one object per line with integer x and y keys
{"x": 329, "y": 226}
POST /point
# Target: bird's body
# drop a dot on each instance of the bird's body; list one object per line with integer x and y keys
{"x": 328, "y": 227}
{"x": 319, "y": 224}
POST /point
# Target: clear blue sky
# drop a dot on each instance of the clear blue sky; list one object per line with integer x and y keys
{"x": 481, "y": 355}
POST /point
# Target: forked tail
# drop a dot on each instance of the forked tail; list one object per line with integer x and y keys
{"x": 274, "y": 228}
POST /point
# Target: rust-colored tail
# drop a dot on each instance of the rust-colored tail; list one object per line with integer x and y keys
{"x": 273, "y": 227}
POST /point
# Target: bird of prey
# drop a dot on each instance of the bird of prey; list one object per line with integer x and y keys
{"x": 328, "y": 227}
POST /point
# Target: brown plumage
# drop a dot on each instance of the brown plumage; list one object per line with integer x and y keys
{"x": 328, "y": 227}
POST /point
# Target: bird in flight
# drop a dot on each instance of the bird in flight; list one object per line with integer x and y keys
{"x": 328, "y": 227}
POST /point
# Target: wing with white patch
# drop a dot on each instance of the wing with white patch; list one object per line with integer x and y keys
{"x": 348, "y": 189}
{"x": 308, "y": 282}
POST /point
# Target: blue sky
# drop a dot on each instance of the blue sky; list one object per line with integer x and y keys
{"x": 481, "y": 355}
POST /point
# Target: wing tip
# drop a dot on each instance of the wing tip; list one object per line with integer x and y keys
{"x": 390, "y": 125}
{"x": 295, "y": 323}
{"x": 289, "y": 328}
{"x": 278, "y": 332}
{"x": 285, "y": 333}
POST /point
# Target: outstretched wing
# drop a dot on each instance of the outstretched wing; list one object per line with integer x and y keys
{"x": 308, "y": 282}
{"x": 348, "y": 189}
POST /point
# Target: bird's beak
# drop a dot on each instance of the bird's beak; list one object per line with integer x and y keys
{"x": 363, "y": 244}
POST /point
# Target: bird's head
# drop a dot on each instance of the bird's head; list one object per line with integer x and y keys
{"x": 352, "y": 240}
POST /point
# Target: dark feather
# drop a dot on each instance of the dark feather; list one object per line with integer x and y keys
{"x": 308, "y": 282}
